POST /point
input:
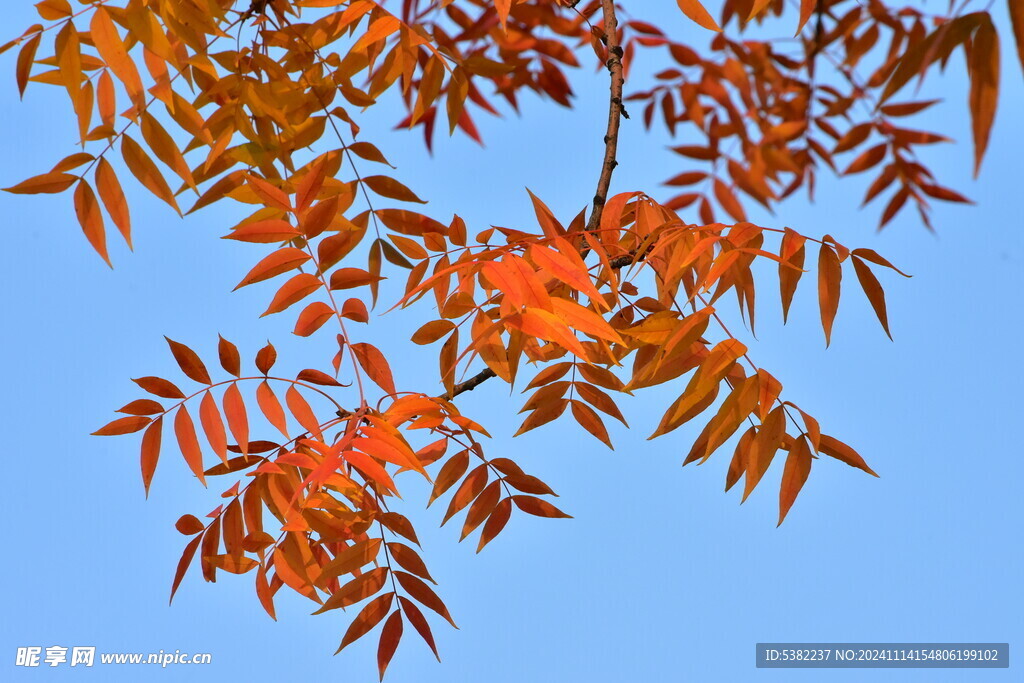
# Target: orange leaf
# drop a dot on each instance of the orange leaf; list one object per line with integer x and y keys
{"x": 238, "y": 422}
{"x": 470, "y": 488}
{"x": 696, "y": 12}
{"x": 280, "y": 261}
{"x": 867, "y": 160}
{"x": 347, "y": 278}
{"x": 47, "y": 183}
{"x": 389, "y": 637}
{"x": 840, "y": 451}
{"x": 590, "y": 421}
{"x": 1017, "y": 19}
{"x": 265, "y": 358}
{"x": 352, "y": 558}
{"x": 159, "y": 387}
{"x": 123, "y": 425}
{"x": 807, "y": 8}
{"x": 481, "y": 508}
{"x": 213, "y": 426}
{"x": 432, "y": 331}
{"x": 450, "y": 473}
{"x": 113, "y": 198}
{"x": 791, "y": 255}
{"x": 319, "y": 217}
{"x": 302, "y": 412}
{"x": 189, "y": 362}
{"x": 356, "y": 590}
{"x": 829, "y": 277}
{"x": 229, "y": 358}
{"x": 26, "y": 56}
{"x": 318, "y": 377}
{"x": 271, "y": 407}
{"x": 112, "y": 51}
{"x": 368, "y": 617}
{"x": 183, "y": 563}
{"x": 873, "y": 289}
{"x": 984, "y": 70}
{"x": 142, "y": 406}
{"x": 293, "y": 291}
{"x": 538, "y": 507}
{"x": 391, "y": 188}
{"x": 408, "y": 559}
{"x": 495, "y": 522}
{"x": 151, "y": 452}
{"x": 89, "y": 217}
{"x": 185, "y": 432}
{"x": 189, "y": 525}
{"x": 143, "y": 168}
{"x": 271, "y": 195}
{"x": 312, "y": 318}
{"x": 798, "y": 466}
{"x": 421, "y": 593}
{"x": 266, "y": 231}
{"x": 376, "y": 366}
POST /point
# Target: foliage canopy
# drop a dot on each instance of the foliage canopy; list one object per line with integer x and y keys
{"x": 258, "y": 103}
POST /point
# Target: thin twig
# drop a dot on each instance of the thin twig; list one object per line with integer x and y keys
{"x": 616, "y": 111}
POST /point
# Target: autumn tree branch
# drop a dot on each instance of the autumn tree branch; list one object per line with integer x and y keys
{"x": 616, "y": 111}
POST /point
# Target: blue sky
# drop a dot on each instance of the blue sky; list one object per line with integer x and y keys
{"x": 659, "y": 576}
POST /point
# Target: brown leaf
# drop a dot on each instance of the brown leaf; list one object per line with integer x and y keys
{"x": 229, "y": 357}
{"x": 873, "y": 289}
{"x": 538, "y": 507}
{"x": 189, "y": 525}
{"x": 496, "y": 521}
{"x": 389, "y": 637}
{"x": 984, "y": 70}
{"x": 368, "y": 617}
{"x": 189, "y": 362}
{"x": 416, "y": 618}
{"x": 421, "y": 593}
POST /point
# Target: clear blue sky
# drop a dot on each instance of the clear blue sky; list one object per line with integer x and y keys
{"x": 660, "y": 576}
